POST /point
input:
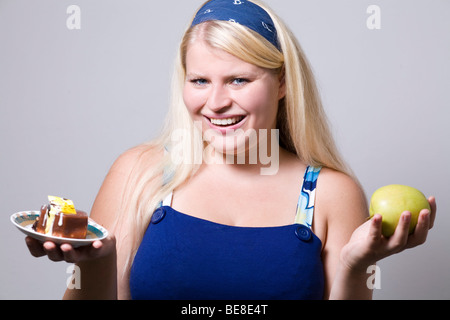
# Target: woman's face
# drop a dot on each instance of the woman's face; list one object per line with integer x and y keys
{"x": 225, "y": 94}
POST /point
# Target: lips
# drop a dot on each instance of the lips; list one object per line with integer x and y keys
{"x": 223, "y": 123}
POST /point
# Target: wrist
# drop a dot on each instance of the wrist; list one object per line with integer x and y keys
{"x": 354, "y": 270}
{"x": 350, "y": 284}
{"x": 354, "y": 264}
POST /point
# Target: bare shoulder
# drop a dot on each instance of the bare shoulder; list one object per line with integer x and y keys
{"x": 109, "y": 197}
{"x": 338, "y": 188}
{"x": 136, "y": 155}
{"x": 341, "y": 202}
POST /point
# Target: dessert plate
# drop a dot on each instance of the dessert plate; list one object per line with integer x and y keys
{"x": 24, "y": 220}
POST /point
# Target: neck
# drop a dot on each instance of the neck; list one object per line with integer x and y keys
{"x": 261, "y": 158}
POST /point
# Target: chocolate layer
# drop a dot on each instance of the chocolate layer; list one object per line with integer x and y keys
{"x": 64, "y": 225}
{"x": 70, "y": 225}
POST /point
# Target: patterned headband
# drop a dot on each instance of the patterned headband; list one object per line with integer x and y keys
{"x": 243, "y": 12}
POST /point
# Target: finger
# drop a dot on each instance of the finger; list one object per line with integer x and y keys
{"x": 80, "y": 254}
{"x": 433, "y": 206}
{"x": 97, "y": 244}
{"x": 375, "y": 227}
{"x": 399, "y": 239}
{"x": 69, "y": 253}
{"x": 35, "y": 247}
{"x": 421, "y": 231}
{"x": 52, "y": 251}
{"x": 97, "y": 249}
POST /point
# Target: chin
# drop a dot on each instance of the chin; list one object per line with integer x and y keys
{"x": 234, "y": 144}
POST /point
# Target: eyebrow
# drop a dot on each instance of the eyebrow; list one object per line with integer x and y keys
{"x": 194, "y": 75}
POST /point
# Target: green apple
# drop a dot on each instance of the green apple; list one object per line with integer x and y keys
{"x": 392, "y": 200}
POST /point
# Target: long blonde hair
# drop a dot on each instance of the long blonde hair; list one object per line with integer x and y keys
{"x": 301, "y": 120}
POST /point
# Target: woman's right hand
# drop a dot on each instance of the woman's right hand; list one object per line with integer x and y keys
{"x": 97, "y": 262}
{"x": 65, "y": 252}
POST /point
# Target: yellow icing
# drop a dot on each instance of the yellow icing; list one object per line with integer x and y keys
{"x": 58, "y": 204}
{"x": 62, "y": 205}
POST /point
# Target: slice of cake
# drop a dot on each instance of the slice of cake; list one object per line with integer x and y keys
{"x": 59, "y": 218}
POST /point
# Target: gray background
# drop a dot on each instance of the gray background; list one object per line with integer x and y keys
{"x": 72, "y": 100}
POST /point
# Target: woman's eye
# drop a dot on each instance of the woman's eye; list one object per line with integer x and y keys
{"x": 239, "y": 81}
{"x": 199, "y": 82}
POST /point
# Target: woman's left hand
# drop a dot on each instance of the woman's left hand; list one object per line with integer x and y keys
{"x": 367, "y": 245}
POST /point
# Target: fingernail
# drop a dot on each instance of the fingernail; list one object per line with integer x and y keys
{"x": 426, "y": 214}
{"x": 97, "y": 244}
{"x": 65, "y": 247}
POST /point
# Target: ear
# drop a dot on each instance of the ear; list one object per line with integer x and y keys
{"x": 282, "y": 87}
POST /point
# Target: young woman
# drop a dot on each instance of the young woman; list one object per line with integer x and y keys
{"x": 243, "y": 196}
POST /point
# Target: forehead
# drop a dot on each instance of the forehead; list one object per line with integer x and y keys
{"x": 201, "y": 57}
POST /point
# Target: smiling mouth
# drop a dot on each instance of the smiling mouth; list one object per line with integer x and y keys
{"x": 225, "y": 122}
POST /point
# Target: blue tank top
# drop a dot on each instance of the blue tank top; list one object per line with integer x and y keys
{"x": 187, "y": 258}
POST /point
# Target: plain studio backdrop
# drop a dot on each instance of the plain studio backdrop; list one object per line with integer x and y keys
{"x": 81, "y": 84}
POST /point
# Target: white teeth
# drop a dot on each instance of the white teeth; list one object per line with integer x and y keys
{"x": 226, "y": 121}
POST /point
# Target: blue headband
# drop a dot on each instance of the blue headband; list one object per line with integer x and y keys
{"x": 243, "y": 12}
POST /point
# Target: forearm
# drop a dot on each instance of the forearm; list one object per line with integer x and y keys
{"x": 350, "y": 285}
{"x": 98, "y": 280}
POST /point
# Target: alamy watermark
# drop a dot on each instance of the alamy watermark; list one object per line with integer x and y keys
{"x": 74, "y": 280}
{"x": 238, "y": 147}
{"x": 374, "y": 280}
{"x": 373, "y": 22}
{"x": 73, "y": 21}
{"x": 256, "y": 146}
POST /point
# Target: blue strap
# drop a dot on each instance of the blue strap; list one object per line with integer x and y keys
{"x": 305, "y": 204}
{"x": 167, "y": 176}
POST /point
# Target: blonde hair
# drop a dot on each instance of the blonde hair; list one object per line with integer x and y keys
{"x": 301, "y": 119}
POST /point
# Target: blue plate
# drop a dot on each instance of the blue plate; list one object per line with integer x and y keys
{"x": 24, "y": 220}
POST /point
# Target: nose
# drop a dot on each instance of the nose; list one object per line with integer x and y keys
{"x": 218, "y": 98}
